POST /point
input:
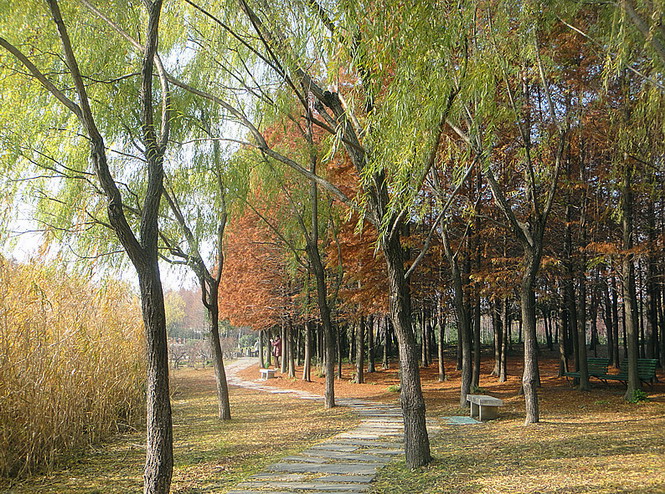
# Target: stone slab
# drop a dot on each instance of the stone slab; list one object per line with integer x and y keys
{"x": 306, "y": 486}
{"x": 336, "y": 447}
{"x": 331, "y": 468}
{"x": 370, "y": 443}
{"x": 336, "y": 456}
{"x": 456, "y": 420}
{"x": 279, "y": 477}
{"x": 361, "y": 479}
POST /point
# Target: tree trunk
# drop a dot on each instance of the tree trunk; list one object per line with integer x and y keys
{"x": 615, "y": 319}
{"x": 292, "y": 349}
{"x": 223, "y": 404}
{"x": 159, "y": 437}
{"x": 495, "y": 307}
{"x": 262, "y": 360}
{"x": 582, "y": 365}
{"x": 339, "y": 352}
{"x": 386, "y": 344}
{"x": 528, "y": 302}
{"x": 373, "y": 323}
{"x": 416, "y": 440}
{"x": 360, "y": 351}
{"x": 503, "y": 371}
{"x": 475, "y": 375}
{"x": 328, "y": 334}
{"x": 629, "y": 295}
{"x": 306, "y": 369}
{"x": 440, "y": 348}
{"x": 463, "y": 323}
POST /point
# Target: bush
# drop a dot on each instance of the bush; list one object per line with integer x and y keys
{"x": 638, "y": 395}
{"x": 71, "y": 364}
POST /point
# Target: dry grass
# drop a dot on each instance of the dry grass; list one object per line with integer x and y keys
{"x": 71, "y": 368}
{"x": 210, "y": 456}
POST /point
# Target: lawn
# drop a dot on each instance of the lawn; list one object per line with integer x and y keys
{"x": 586, "y": 442}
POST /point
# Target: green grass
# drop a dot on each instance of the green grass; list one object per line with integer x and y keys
{"x": 210, "y": 456}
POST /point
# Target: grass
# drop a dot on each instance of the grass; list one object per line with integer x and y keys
{"x": 210, "y": 456}
{"x": 607, "y": 454}
{"x": 592, "y": 442}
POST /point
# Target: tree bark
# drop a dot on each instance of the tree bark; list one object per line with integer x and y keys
{"x": 629, "y": 295}
{"x": 306, "y": 369}
{"x": 495, "y": 307}
{"x": 528, "y": 303}
{"x": 416, "y": 440}
{"x": 462, "y": 321}
{"x": 440, "y": 348}
{"x": 360, "y": 351}
{"x": 475, "y": 374}
{"x": 223, "y": 403}
{"x": 371, "y": 327}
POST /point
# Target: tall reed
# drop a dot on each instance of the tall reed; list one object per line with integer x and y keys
{"x": 71, "y": 364}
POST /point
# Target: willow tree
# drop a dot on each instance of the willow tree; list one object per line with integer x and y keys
{"x": 63, "y": 61}
{"x": 376, "y": 121}
{"x": 197, "y": 201}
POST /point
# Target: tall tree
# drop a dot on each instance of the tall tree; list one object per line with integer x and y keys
{"x": 142, "y": 248}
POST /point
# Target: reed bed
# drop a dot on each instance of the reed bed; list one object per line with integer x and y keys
{"x": 71, "y": 364}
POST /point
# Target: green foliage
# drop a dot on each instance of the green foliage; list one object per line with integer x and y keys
{"x": 638, "y": 396}
{"x": 247, "y": 340}
{"x": 394, "y": 388}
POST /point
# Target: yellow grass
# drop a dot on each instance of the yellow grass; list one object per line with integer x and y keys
{"x": 71, "y": 367}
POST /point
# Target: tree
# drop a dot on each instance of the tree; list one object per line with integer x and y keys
{"x": 141, "y": 248}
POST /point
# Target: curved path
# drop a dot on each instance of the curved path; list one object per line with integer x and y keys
{"x": 345, "y": 463}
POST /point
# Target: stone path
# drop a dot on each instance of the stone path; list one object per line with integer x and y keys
{"x": 345, "y": 463}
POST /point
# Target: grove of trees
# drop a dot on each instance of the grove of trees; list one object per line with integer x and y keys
{"x": 355, "y": 175}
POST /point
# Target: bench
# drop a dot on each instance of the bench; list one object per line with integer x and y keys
{"x": 646, "y": 371}
{"x": 267, "y": 373}
{"x": 597, "y": 367}
{"x": 484, "y": 407}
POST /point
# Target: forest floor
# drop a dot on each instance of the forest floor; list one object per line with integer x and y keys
{"x": 586, "y": 442}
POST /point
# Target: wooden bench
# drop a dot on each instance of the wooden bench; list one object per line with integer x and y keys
{"x": 267, "y": 373}
{"x": 484, "y": 407}
{"x": 646, "y": 371}
{"x": 597, "y": 367}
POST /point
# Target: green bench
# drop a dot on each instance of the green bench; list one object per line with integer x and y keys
{"x": 646, "y": 371}
{"x": 597, "y": 367}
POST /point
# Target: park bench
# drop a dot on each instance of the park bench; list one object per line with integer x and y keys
{"x": 646, "y": 371}
{"x": 267, "y": 373}
{"x": 484, "y": 407}
{"x": 597, "y": 367}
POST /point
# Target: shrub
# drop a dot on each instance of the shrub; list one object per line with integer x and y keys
{"x": 71, "y": 364}
{"x": 638, "y": 395}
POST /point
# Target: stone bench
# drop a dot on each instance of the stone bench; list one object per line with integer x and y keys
{"x": 267, "y": 373}
{"x": 484, "y": 407}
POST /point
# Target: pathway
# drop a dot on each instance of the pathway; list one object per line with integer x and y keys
{"x": 345, "y": 463}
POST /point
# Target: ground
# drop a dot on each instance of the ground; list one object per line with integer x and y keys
{"x": 586, "y": 442}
